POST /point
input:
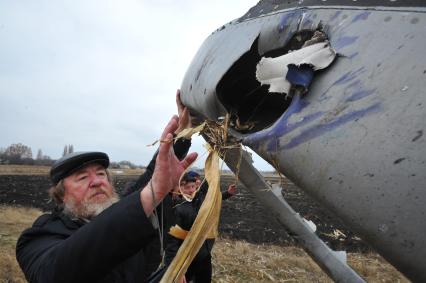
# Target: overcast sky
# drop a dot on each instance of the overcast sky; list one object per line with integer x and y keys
{"x": 100, "y": 75}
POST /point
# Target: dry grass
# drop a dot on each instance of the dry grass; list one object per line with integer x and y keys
{"x": 127, "y": 172}
{"x": 44, "y": 170}
{"x": 233, "y": 261}
{"x": 237, "y": 261}
{"x": 13, "y": 221}
{"x": 24, "y": 170}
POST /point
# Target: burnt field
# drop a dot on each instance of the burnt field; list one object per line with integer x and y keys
{"x": 242, "y": 217}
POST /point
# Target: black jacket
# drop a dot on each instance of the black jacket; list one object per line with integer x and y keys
{"x": 115, "y": 246}
{"x": 108, "y": 249}
{"x": 185, "y": 214}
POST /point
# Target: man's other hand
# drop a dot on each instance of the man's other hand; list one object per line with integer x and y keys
{"x": 232, "y": 189}
{"x": 168, "y": 169}
{"x": 184, "y": 117}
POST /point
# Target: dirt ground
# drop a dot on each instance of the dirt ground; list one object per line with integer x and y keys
{"x": 242, "y": 217}
{"x": 231, "y": 258}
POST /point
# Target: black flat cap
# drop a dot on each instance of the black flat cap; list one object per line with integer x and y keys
{"x": 72, "y": 162}
{"x": 189, "y": 177}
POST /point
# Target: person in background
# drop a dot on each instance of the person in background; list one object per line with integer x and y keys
{"x": 200, "y": 269}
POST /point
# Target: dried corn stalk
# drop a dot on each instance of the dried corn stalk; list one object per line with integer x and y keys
{"x": 187, "y": 133}
{"x": 206, "y": 223}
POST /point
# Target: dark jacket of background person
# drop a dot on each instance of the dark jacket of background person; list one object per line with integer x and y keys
{"x": 165, "y": 211}
{"x": 114, "y": 247}
{"x": 185, "y": 214}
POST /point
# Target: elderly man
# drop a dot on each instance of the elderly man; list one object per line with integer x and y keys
{"x": 96, "y": 237}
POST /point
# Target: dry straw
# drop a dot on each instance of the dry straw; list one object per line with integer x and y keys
{"x": 206, "y": 223}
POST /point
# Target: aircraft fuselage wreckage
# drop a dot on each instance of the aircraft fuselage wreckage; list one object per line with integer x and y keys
{"x": 332, "y": 94}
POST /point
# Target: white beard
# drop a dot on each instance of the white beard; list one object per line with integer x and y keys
{"x": 88, "y": 210}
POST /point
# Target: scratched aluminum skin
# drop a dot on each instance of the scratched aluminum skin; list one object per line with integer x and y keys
{"x": 355, "y": 141}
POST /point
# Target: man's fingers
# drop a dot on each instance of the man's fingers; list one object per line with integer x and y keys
{"x": 232, "y": 189}
{"x": 170, "y": 128}
{"x": 185, "y": 111}
{"x": 189, "y": 159}
{"x": 179, "y": 104}
{"x": 166, "y": 145}
{"x": 166, "y": 138}
{"x": 184, "y": 117}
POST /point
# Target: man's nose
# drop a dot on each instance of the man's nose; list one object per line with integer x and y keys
{"x": 95, "y": 181}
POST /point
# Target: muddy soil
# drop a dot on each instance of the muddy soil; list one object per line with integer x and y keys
{"x": 242, "y": 216}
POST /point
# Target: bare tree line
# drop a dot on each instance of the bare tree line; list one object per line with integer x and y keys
{"x": 20, "y": 154}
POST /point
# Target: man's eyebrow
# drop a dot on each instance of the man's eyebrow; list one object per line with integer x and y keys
{"x": 83, "y": 170}
{"x": 80, "y": 171}
{"x": 100, "y": 167}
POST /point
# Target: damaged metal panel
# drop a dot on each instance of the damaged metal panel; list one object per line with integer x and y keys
{"x": 355, "y": 140}
{"x": 220, "y": 50}
{"x": 349, "y": 141}
{"x": 275, "y": 71}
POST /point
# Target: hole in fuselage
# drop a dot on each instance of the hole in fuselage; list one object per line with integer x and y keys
{"x": 251, "y": 106}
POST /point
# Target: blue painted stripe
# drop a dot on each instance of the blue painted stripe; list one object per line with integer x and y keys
{"x": 321, "y": 129}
